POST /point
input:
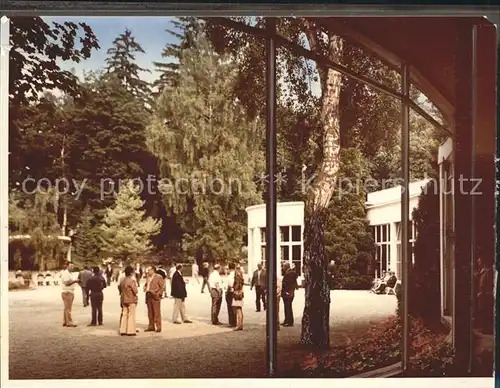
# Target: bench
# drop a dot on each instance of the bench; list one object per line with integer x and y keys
{"x": 393, "y": 290}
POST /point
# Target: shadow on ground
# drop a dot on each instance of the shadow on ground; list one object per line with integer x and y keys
{"x": 40, "y": 348}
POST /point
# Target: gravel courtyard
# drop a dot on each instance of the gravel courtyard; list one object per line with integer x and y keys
{"x": 40, "y": 348}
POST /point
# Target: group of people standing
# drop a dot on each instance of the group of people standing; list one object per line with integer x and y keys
{"x": 154, "y": 290}
{"x": 234, "y": 294}
{"x": 92, "y": 283}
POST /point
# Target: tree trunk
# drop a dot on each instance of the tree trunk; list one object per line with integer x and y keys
{"x": 316, "y": 317}
{"x": 63, "y": 169}
{"x": 65, "y": 218}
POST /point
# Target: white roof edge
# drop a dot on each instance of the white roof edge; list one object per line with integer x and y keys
{"x": 27, "y": 236}
{"x": 278, "y": 204}
{"x": 371, "y": 205}
{"x": 377, "y": 197}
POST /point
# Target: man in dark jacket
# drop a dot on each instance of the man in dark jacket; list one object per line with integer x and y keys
{"x": 84, "y": 276}
{"x": 230, "y": 294}
{"x": 289, "y": 285}
{"x": 95, "y": 285}
{"x": 109, "y": 274}
{"x": 204, "y": 275}
{"x": 331, "y": 274}
{"x": 259, "y": 281}
{"x": 179, "y": 293}
{"x": 391, "y": 282}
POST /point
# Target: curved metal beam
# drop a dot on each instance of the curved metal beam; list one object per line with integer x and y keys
{"x": 391, "y": 59}
{"x": 323, "y": 61}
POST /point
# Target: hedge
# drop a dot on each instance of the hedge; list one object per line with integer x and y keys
{"x": 380, "y": 346}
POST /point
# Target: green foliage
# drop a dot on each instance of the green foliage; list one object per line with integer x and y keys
{"x": 120, "y": 63}
{"x": 38, "y": 50}
{"x": 35, "y": 216}
{"x": 34, "y": 145}
{"x": 109, "y": 140}
{"x": 369, "y": 120}
{"x": 87, "y": 240}
{"x": 425, "y": 283}
{"x": 17, "y": 285}
{"x": 380, "y": 346}
{"x": 18, "y": 259}
{"x": 184, "y": 31}
{"x": 126, "y": 232}
{"x": 348, "y": 239}
{"x": 209, "y": 151}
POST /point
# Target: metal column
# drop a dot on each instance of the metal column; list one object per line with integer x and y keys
{"x": 4, "y": 173}
{"x": 271, "y": 323}
{"x": 463, "y": 212}
{"x": 472, "y": 199}
{"x": 405, "y": 209}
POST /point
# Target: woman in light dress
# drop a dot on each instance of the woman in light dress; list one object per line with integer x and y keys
{"x": 238, "y": 296}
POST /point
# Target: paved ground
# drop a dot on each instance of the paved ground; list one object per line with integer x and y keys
{"x": 40, "y": 348}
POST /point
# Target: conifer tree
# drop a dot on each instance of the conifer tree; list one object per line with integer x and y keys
{"x": 348, "y": 239}
{"x": 126, "y": 231}
{"x": 184, "y": 31}
{"x": 109, "y": 144}
{"x": 201, "y": 134}
{"x": 86, "y": 242}
{"x": 121, "y": 64}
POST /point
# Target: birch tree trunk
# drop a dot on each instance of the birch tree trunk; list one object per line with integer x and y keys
{"x": 63, "y": 170}
{"x": 316, "y": 317}
{"x": 65, "y": 218}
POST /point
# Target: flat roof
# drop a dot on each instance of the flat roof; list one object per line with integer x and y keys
{"x": 393, "y": 194}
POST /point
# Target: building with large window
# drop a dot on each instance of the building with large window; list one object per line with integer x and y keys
{"x": 290, "y": 221}
{"x": 383, "y": 213}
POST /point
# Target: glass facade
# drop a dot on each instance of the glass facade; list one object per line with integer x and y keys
{"x": 382, "y": 237}
{"x": 413, "y": 236}
{"x": 263, "y": 253}
{"x": 291, "y": 247}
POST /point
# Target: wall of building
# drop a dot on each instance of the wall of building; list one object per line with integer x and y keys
{"x": 383, "y": 213}
{"x": 287, "y": 214}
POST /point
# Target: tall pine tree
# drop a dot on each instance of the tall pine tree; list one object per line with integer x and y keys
{"x": 348, "y": 238}
{"x": 109, "y": 143}
{"x": 121, "y": 64}
{"x": 86, "y": 241}
{"x": 183, "y": 31}
{"x": 201, "y": 135}
{"x": 126, "y": 231}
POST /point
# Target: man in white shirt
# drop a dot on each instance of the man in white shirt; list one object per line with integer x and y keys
{"x": 68, "y": 293}
{"x": 229, "y": 295}
{"x": 196, "y": 272}
{"x": 215, "y": 284}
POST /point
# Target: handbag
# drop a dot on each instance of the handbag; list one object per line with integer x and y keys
{"x": 238, "y": 295}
